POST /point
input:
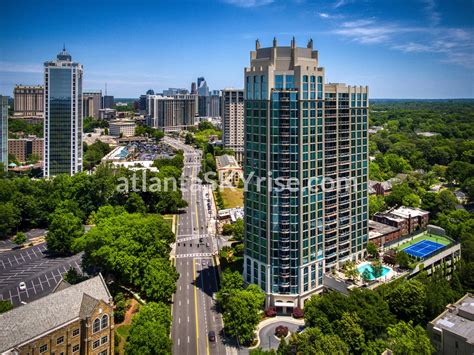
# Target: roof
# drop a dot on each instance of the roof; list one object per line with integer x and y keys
{"x": 226, "y": 161}
{"x": 377, "y": 229}
{"x": 406, "y": 212}
{"x": 458, "y": 319}
{"x": 52, "y": 311}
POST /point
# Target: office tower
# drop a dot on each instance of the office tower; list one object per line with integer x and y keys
{"x": 203, "y": 106}
{"x": 299, "y": 129}
{"x": 171, "y": 112}
{"x": 63, "y": 116}
{"x": 91, "y": 103}
{"x": 193, "y": 88}
{"x": 233, "y": 121}
{"x": 108, "y": 101}
{"x": 4, "y": 131}
{"x": 143, "y": 101}
{"x": 28, "y": 101}
{"x": 215, "y": 104}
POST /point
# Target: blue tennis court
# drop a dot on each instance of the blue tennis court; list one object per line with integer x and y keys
{"x": 423, "y": 248}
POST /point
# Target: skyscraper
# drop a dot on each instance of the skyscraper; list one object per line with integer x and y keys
{"x": 63, "y": 116}
{"x": 91, "y": 103}
{"x": 232, "y": 108}
{"x": 171, "y": 112}
{"x": 108, "y": 101}
{"x": 4, "y": 131}
{"x": 300, "y": 130}
{"x": 215, "y": 104}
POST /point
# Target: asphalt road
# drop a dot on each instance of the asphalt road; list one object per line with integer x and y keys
{"x": 40, "y": 272}
{"x": 194, "y": 310}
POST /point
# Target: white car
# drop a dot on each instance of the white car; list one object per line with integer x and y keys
{"x": 22, "y": 286}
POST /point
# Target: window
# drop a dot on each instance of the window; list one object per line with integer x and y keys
{"x": 60, "y": 340}
{"x": 96, "y": 344}
{"x": 96, "y": 326}
{"x": 43, "y": 348}
{"x": 105, "y": 321}
{"x": 104, "y": 339}
{"x": 75, "y": 332}
{"x": 75, "y": 348}
{"x": 103, "y": 352}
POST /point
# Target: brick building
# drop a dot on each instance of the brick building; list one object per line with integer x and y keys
{"x": 25, "y": 148}
{"x": 73, "y": 319}
{"x": 407, "y": 219}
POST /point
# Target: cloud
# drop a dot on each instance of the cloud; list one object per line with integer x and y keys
{"x": 9, "y": 67}
{"x": 323, "y": 15}
{"x": 430, "y": 10}
{"x": 249, "y": 3}
{"x": 340, "y": 3}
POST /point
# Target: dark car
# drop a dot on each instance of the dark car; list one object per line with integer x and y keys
{"x": 212, "y": 336}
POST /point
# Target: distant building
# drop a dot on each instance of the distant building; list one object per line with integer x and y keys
{"x": 171, "y": 112}
{"x": 142, "y": 103}
{"x": 452, "y": 332}
{"x": 407, "y": 219}
{"x": 123, "y": 128}
{"x": 228, "y": 170}
{"x": 63, "y": 116}
{"x": 26, "y": 148}
{"x": 233, "y": 121}
{"x": 91, "y": 103}
{"x": 108, "y": 101}
{"x": 175, "y": 91}
{"x": 28, "y": 101}
{"x": 73, "y": 319}
{"x": 4, "y": 131}
{"x": 215, "y": 104}
{"x": 193, "y": 88}
{"x": 107, "y": 114}
{"x": 203, "y": 106}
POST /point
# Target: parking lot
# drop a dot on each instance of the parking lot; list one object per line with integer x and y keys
{"x": 40, "y": 272}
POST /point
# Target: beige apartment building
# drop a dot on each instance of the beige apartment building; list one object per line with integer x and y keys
{"x": 73, "y": 319}
{"x": 233, "y": 121}
{"x": 26, "y": 148}
{"x": 123, "y": 128}
{"x": 28, "y": 101}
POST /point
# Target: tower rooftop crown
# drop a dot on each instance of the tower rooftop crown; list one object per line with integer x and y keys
{"x": 64, "y": 55}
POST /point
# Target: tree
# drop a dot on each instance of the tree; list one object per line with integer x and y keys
{"x": 149, "y": 333}
{"x": 376, "y": 204}
{"x": 366, "y": 275}
{"x": 159, "y": 280}
{"x": 313, "y": 341}
{"x": 135, "y": 204}
{"x": 241, "y": 313}
{"x": 227, "y": 229}
{"x": 10, "y": 218}
{"x": 5, "y": 306}
{"x": 372, "y": 249}
{"x": 349, "y": 329}
{"x": 411, "y": 200}
{"x": 406, "y": 339}
{"x": 134, "y": 249}
{"x": 350, "y": 270}
{"x": 402, "y": 259}
{"x": 63, "y": 230}
{"x": 20, "y": 238}
{"x": 120, "y": 308}
{"x": 446, "y": 201}
{"x": 238, "y": 231}
{"x": 406, "y": 300}
{"x": 73, "y": 277}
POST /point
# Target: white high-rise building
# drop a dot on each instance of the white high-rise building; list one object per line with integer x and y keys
{"x": 63, "y": 116}
{"x": 233, "y": 121}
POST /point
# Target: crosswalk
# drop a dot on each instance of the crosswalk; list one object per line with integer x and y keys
{"x": 193, "y": 255}
{"x": 185, "y": 238}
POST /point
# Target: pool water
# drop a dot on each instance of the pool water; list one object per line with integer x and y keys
{"x": 362, "y": 268}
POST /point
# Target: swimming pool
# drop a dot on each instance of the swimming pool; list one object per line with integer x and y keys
{"x": 367, "y": 266}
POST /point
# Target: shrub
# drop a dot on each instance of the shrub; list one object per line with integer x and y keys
{"x": 298, "y": 313}
{"x": 281, "y": 331}
{"x": 270, "y": 312}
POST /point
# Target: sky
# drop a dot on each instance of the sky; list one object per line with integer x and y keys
{"x": 400, "y": 49}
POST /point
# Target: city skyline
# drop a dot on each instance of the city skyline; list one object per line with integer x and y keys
{"x": 361, "y": 42}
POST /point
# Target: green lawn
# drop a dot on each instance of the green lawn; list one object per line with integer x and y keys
{"x": 169, "y": 219}
{"x": 233, "y": 197}
{"x": 432, "y": 237}
{"x": 123, "y": 331}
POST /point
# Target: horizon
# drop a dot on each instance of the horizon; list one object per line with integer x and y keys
{"x": 423, "y": 53}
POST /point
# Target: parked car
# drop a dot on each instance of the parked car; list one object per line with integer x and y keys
{"x": 22, "y": 286}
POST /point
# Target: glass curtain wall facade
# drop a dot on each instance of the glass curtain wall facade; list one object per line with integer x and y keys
{"x": 301, "y": 131}
{"x": 63, "y": 116}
